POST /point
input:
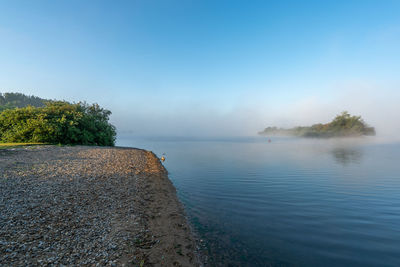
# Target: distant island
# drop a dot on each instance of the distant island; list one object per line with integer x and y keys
{"x": 343, "y": 125}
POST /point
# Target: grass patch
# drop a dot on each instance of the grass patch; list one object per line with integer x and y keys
{"x": 14, "y": 145}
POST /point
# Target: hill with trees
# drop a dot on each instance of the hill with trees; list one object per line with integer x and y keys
{"x": 343, "y": 125}
{"x": 55, "y": 122}
{"x": 18, "y": 100}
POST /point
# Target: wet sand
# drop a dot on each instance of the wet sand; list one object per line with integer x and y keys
{"x": 96, "y": 206}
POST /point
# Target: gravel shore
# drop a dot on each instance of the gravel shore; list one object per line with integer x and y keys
{"x": 91, "y": 206}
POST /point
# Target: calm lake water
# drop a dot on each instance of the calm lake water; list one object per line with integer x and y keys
{"x": 291, "y": 202}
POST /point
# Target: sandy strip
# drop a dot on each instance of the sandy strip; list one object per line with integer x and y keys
{"x": 90, "y": 206}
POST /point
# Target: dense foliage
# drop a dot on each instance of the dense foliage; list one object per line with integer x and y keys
{"x": 18, "y": 100}
{"x": 343, "y": 125}
{"x": 58, "y": 123}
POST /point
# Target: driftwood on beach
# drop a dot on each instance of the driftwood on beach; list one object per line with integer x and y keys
{"x": 90, "y": 205}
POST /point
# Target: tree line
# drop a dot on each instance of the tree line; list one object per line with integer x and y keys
{"x": 18, "y": 100}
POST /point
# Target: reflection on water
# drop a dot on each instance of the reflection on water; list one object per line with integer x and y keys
{"x": 290, "y": 202}
{"x": 347, "y": 156}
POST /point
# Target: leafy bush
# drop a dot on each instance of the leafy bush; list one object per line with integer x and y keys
{"x": 58, "y": 123}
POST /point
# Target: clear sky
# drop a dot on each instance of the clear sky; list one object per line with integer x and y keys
{"x": 208, "y": 67}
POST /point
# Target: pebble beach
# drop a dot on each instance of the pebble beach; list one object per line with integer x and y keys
{"x": 92, "y": 206}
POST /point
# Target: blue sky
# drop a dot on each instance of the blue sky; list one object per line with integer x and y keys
{"x": 207, "y": 67}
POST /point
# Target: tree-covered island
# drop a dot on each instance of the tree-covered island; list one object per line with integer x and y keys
{"x": 343, "y": 125}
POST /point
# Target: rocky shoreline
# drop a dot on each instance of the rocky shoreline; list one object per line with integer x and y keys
{"x": 96, "y": 206}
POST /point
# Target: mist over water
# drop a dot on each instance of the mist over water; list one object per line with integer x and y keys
{"x": 246, "y": 116}
{"x": 301, "y": 202}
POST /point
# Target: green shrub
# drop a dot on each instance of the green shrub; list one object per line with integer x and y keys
{"x": 58, "y": 123}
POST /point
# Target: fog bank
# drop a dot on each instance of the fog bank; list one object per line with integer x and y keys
{"x": 378, "y": 108}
